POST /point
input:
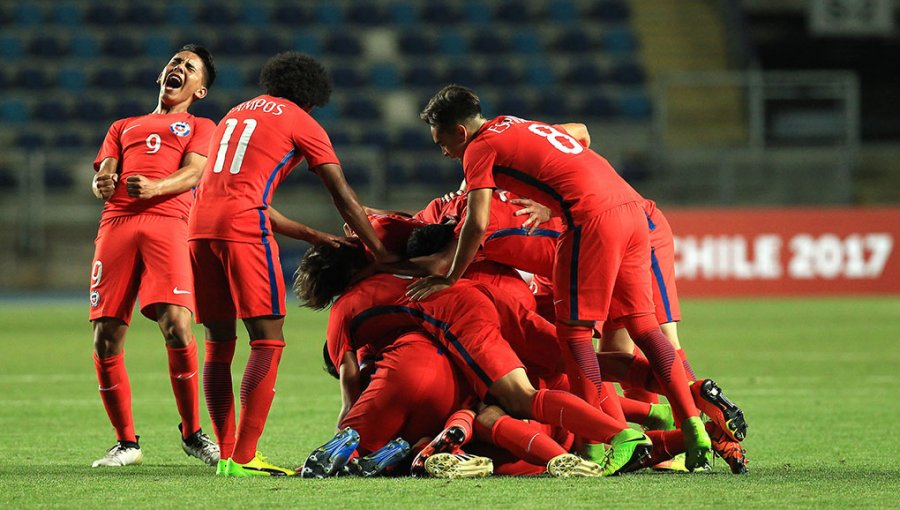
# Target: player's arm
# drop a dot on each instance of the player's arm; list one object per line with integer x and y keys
{"x": 436, "y": 263}
{"x": 470, "y": 238}
{"x": 177, "y": 182}
{"x": 351, "y": 210}
{"x": 351, "y": 386}
{"x": 285, "y": 226}
{"x": 104, "y": 183}
{"x": 579, "y": 132}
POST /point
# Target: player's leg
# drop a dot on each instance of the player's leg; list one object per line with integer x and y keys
{"x": 615, "y": 339}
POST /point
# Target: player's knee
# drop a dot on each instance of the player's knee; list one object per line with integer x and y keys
{"x": 488, "y": 416}
{"x": 638, "y": 325}
{"x": 176, "y": 331}
{"x": 518, "y": 403}
{"x": 109, "y": 337}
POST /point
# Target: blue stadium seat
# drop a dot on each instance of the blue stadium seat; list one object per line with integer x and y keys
{"x": 384, "y": 75}
{"x": 52, "y": 110}
{"x": 142, "y": 14}
{"x": 489, "y": 43}
{"x": 514, "y": 11}
{"x": 347, "y": 77}
{"x": 375, "y": 137}
{"x": 398, "y": 173}
{"x": 441, "y": 13}
{"x": 11, "y": 47}
{"x": 33, "y": 79}
{"x": 540, "y": 75}
{"x": 103, "y": 14}
{"x": 268, "y": 44}
{"x": 254, "y": 15}
{"x": 403, "y": 14}
{"x": 365, "y": 13}
{"x": 462, "y": 74}
{"x": 356, "y": 175}
{"x": 562, "y": 11}
{"x": 13, "y": 111}
{"x": 627, "y": 73}
{"x": 121, "y": 46}
{"x": 422, "y": 75}
{"x": 48, "y": 45}
{"x": 619, "y": 41}
{"x": 526, "y": 42}
{"x": 477, "y": 13}
{"x": 610, "y": 11}
{"x": 230, "y": 78}
{"x": 452, "y": 43}
{"x": 67, "y": 14}
{"x": 31, "y": 140}
{"x": 343, "y": 44}
{"x": 87, "y": 110}
{"x": 109, "y": 78}
{"x": 158, "y": 46}
{"x": 58, "y": 179}
{"x": 635, "y": 106}
{"x": 209, "y": 108}
{"x": 130, "y": 108}
{"x": 328, "y": 14}
{"x": 216, "y": 14}
{"x": 437, "y": 173}
{"x": 145, "y": 77}
{"x": 5, "y": 81}
{"x": 585, "y": 73}
{"x": 231, "y": 44}
{"x": 414, "y": 139}
{"x": 72, "y": 79}
{"x": 306, "y": 42}
{"x": 69, "y": 140}
{"x": 293, "y": 14}
{"x": 84, "y": 45}
{"x": 327, "y": 113}
{"x": 514, "y": 104}
{"x": 501, "y": 75}
{"x": 599, "y": 105}
{"x": 340, "y": 137}
{"x": 28, "y": 14}
{"x": 361, "y": 108}
{"x": 575, "y": 41}
{"x": 7, "y": 179}
{"x": 415, "y": 43}
{"x": 180, "y": 14}
{"x": 552, "y": 104}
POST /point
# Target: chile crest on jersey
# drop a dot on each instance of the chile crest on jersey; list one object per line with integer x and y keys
{"x": 180, "y": 128}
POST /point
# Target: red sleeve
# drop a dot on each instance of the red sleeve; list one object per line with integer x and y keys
{"x": 203, "y": 130}
{"x": 478, "y": 164}
{"x": 313, "y": 142}
{"x": 112, "y": 146}
{"x": 337, "y": 334}
{"x": 432, "y": 212}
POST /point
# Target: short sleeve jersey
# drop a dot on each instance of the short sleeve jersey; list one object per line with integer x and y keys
{"x": 253, "y": 148}
{"x": 154, "y": 146}
{"x": 438, "y": 211}
{"x": 394, "y": 230}
{"x": 546, "y": 164}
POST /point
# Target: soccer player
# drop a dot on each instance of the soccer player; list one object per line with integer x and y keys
{"x": 237, "y": 273}
{"x": 142, "y": 252}
{"x": 602, "y": 214}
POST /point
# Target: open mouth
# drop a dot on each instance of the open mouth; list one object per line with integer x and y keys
{"x": 174, "y": 81}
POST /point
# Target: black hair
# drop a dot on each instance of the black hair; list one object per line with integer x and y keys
{"x": 429, "y": 239}
{"x": 451, "y": 105}
{"x": 297, "y": 77}
{"x": 329, "y": 367}
{"x": 325, "y": 272}
{"x": 209, "y": 62}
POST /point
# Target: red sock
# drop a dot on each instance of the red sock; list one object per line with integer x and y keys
{"x": 115, "y": 391}
{"x": 464, "y": 419}
{"x": 666, "y": 365}
{"x": 635, "y": 411}
{"x": 575, "y": 415}
{"x": 525, "y": 441}
{"x": 219, "y": 393}
{"x": 666, "y": 444}
{"x": 637, "y": 392}
{"x": 183, "y": 374}
{"x": 257, "y": 391}
{"x": 688, "y": 369}
{"x": 581, "y": 362}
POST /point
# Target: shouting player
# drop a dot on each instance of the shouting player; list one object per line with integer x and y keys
{"x": 234, "y": 255}
{"x": 142, "y": 251}
{"x": 603, "y": 218}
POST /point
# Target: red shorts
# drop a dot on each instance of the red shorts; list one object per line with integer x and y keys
{"x": 662, "y": 272}
{"x": 236, "y": 280}
{"x": 414, "y": 390}
{"x": 466, "y": 323}
{"x": 502, "y": 277}
{"x": 604, "y": 264}
{"x": 140, "y": 257}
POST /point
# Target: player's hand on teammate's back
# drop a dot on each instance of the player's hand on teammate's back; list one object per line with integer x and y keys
{"x": 536, "y": 212}
{"x": 420, "y": 289}
{"x": 333, "y": 240}
{"x": 139, "y": 186}
{"x": 104, "y": 185}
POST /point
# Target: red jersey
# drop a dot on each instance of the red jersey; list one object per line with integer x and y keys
{"x": 506, "y": 242}
{"x": 152, "y": 145}
{"x": 438, "y": 211}
{"x": 544, "y": 163}
{"x": 254, "y": 147}
{"x": 393, "y": 231}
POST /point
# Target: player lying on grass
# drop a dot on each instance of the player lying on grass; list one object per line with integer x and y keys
{"x": 467, "y": 325}
{"x": 145, "y": 170}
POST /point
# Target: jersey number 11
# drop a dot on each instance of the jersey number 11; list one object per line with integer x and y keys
{"x": 230, "y": 124}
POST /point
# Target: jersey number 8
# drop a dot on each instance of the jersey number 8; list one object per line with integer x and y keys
{"x": 230, "y": 124}
{"x": 561, "y": 141}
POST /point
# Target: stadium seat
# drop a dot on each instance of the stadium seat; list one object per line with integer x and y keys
{"x": 327, "y": 113}
{"x": 47, "y": 45}
{"x": 102, "y": 15}
{"x": 230, "y": 78}
{"x": 610, "y": 11}
{"x": 52, "y": 110}
{"x": 131, "y": 108}
{"x": 268, "y": 44}
{"x": 209, "y": 108}
{"x": 436, "y": 173}
{"x": 403, "y": 14}
{"x": 88, "y": 110}
{"x": 157, "y": 46}
{"x": 230, "y": 44}
{"x": 292, "y": 14}
{"x": 121, "y": 46}
{"x": 398, "y": 173}
{"x": 501, "y": 75}
{"x": 72, "y": 79}
{"x": 413, "y": 139}
{"x": 384, "y": 75}
{"x": 216, "y": 15}
{"x": 33, "y": 79}
{"x": 452, "y": 43}
{"x": 27, "y": 14}
{"x": 340, "y": 137}
{"x": 58, "y": 179}
{"x": 618, "y": 41}
{"x": 347, "y": 77}
{"x": 441, "y": 13}
{"x": 575, "y": 41}
{"x": 5, "y": 81}
{"x": 599, "y": 105}
{"x": 514, "y": 104}
{"x": 109, "y": 78}
{"x": 343, "y": 44}
{"x": 415, "y": 44}
{"x": 365, "y": 13}
{"x": 514, "y": 11}
{"x": 31, "y": 140}
{"x": 84, "y": 45}
{"x": 375, "y": 137}
{"x": 585, "y": 73}
{"x": 67, "y": 14}
{"x": 635, "y": 106}
{"x": 142, "y": 14}
{"x": 13, "y": 111}
{"x": 361, "y": 108}
{"x": 563, "y": 12}
{"x": 552, "y": 104}
{"x": 180, "y": 14}
{"x": 477, "y": 13}
{"x": 540, "y": 75}
{"x": 11, "y": 47}
{"x": 7, "y": 179}
{"x": 627, "y": 73}
{"x": 526, "y": 43}
{"x": 307, "y": 43}
{"x": 69, "y": 140}
{"x": 328, "y": 14}
{"x": 254, "y": 15}
{"x": 488, "y": 43}
{"x": 462, "y": 74}
{"x": 423, "y": 75}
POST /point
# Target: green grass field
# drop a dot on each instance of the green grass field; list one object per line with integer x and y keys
{"x": 818, "y": 381}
